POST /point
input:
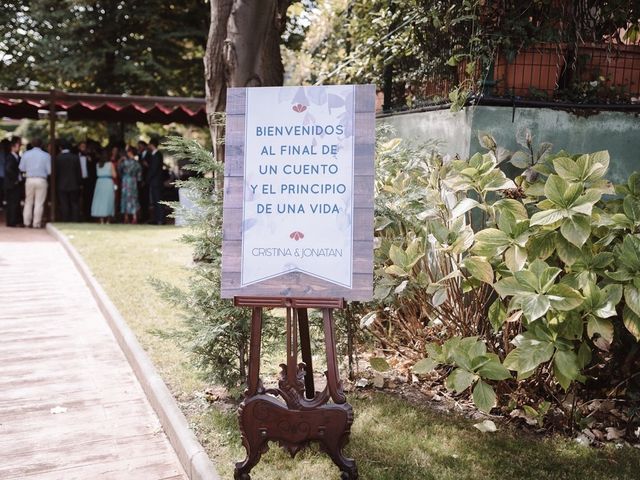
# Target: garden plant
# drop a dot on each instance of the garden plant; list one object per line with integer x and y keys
{"x": 521, "y": 292}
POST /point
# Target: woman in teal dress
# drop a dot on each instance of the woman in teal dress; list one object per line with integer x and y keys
{"x": 130, "y": 174}
{"x": 103, "y": 205}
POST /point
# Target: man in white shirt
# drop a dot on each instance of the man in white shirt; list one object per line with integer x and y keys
{"x": 36, "y": 165}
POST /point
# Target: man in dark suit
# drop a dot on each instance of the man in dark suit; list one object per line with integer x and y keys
{"x": 155, "y": 181}
{"x": 13, "y": 183}
{"x": 88, "y": 170}
{"x": 4, "y": 152}
{"x": 143, "y": 186}
{"x": 68, "y": 184}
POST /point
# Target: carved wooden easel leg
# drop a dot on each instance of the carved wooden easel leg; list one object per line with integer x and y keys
{"x": 305, "y": 347}
{"x": 333, "y": 376}
{"x": 292, "y": 347}
{"x": 305, "y": 415}
{"x": 347, "y": 466}
{"x": 335, "y": 441}
{"x": 253, "y": 443}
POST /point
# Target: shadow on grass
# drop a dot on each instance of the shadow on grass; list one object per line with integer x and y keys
{"x": 394, "y": 440}
{"x": 391, "y": 439}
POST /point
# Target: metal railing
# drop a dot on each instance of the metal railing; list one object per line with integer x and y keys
{"x": 607, "y": 73}
{"x": 593, "y": 74}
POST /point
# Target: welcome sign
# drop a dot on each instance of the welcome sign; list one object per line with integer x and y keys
{"x": 298, "y": 199}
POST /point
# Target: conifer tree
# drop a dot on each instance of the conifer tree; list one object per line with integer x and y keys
{"x": 215, "y": 332}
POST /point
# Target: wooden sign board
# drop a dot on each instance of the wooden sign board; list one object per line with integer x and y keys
{"x": 298, "y": 192}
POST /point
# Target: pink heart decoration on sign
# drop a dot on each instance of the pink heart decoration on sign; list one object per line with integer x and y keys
{"x": 296, "y": 235}
{"x": 298, "y": 107}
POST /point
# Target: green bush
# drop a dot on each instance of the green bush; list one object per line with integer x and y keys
{"x": 539, "y": 276}
{"x": 216, "y": 333}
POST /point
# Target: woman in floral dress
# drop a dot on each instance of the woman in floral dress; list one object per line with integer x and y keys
{"x": 130, "y": 174}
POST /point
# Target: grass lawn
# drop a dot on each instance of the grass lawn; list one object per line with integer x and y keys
{"x": 391, "y": 439}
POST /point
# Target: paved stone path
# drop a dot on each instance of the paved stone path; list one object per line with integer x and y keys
{"x": 56, "y": 350}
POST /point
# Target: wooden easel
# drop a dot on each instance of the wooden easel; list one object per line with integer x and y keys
{"x": 302, "y": 415}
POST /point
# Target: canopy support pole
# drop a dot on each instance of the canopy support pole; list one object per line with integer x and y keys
{"x": 52, "y": 152}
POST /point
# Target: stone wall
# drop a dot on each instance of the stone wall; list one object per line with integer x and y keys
{"x": 617, "y": 132}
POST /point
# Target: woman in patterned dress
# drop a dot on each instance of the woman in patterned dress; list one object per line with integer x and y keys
{"x": 130, "y": 174}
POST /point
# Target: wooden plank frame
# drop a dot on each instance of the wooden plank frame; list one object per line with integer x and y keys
{"x": 298, "y": 284}
{"x": 289, "y": 302}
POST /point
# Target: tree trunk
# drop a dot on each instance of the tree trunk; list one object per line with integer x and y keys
{"x": 243, "y": 50}
{"x": 214, "y": 71}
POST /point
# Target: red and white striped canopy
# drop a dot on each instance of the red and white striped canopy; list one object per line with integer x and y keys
{"x": 108, "y": 108}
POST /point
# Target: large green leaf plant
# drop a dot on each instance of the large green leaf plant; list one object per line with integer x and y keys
{"x": 543, "y": 286}
{"x": 568, "y": 291}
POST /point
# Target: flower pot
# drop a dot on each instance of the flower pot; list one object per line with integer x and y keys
{"x": 533, "y": 71}
{"x": 616, "y": 66}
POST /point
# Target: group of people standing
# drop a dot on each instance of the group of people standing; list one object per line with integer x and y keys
{"x": 91, "y": 182}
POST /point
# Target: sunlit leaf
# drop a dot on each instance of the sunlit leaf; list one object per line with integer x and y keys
{"x": 547, "y": 217}
{"x": 632, "y": 298}
{"x": 484, "y": 397}
{"x": 459, "y": 380}
{"x": 632, "y": 322}
{"x": 479, "y": 268}
{"x": 423, "y": 366}
{"x": 565, "y": 367}
{"x": 576, "y": 229}
{"x": 463, "y": 207}
{"x": 486, "y": 426}
{"x": 601, "y": 327}
{"x": 529, "y": 355}
{"x": 379, "y": 364}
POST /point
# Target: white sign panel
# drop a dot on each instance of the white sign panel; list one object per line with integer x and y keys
{"x": 298, "y": 184}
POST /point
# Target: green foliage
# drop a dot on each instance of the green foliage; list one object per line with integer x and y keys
{"x": 444, "y": 51}
{"x": 473, "y": 365}
{"x": 106, "y": 46}
{"x": 355, "y": 41}
{"x": 537, "y": 414}
{"x": 572, "y": 287}
{"x": 216, "y": 332}
{"x": 422, "y": 234}
{"x": 534, "y": 291}
{"x": 548, "y": 280}
{"x": 379, "y": 364}
{"x": 150, "y": 47}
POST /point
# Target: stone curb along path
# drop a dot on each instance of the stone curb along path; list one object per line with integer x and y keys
{"x": 191, "y": 454}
